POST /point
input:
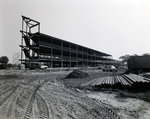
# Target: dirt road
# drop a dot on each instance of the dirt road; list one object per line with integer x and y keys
{"x": 27, "y": 95}
{"x": 45, "y": 95}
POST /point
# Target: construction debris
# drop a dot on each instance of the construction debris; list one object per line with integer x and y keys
{"x": 77, "y": 74}
{"x": 122, "y": 81}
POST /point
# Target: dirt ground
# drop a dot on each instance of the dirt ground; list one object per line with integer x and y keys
{"x": 29, "y": 94}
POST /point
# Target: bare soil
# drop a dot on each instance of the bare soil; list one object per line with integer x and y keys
{"x": 26, "y": 94}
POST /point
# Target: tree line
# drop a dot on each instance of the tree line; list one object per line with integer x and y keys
{"x": 124, "y": 58}
{"x": 4, "y": 62}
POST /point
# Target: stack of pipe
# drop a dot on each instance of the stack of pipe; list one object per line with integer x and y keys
{"x": 125, "y": 80}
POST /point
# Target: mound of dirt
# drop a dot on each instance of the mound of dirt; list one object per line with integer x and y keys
{"x": 77, "y": 74}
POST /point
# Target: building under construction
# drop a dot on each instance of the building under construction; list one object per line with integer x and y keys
{"x": 38, "y": 48}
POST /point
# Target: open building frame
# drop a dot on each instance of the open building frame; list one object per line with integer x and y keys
{"x": 39, "y": 48}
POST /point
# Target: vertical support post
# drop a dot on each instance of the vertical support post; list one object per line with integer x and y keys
{"x": 94, "y": 59}
{"x": 82, "y": 56}
{"x": 52, "y": 55}
{"x": 26, "y": 36}
{"x": 91, "y": 59}
{"x": 39, "y": 43}
{"x": 76, "y": 55}
{"x": 62, "y": 54}
{"x": 22, "y": 42}
{"x": 39, "y": 47}
{"x": 86, "y": 57}
{"x": 70, "y": 54}
{"x": 39, "y": 28}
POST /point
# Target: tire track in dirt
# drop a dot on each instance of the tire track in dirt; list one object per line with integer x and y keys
{"x": 50, "y": 99}
{"x": 22, "y": 102}
{"x": 52, "y": 105}
{"x": 29, "y": 109}
{"x": 30, "y": 105}
{"x": 6, "y": 94}
{"x": 10, "y": 113}
{"x": 43, "y": 108}
{"x": 96, "y": 105}
{"x": 69, "y": 107}
{"x": 4, "y": 88}
{"x": 6, "y": 102}
{"x": 70, "y": 104}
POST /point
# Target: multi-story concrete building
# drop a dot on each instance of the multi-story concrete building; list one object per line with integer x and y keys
{"x": 37, "y": 47}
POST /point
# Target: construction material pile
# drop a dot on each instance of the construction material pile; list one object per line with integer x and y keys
{"x": 77, "y": 74}
{"x": 122, "y": 81}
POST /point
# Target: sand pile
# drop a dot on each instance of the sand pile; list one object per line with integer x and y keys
{"x": 77, "y": 74}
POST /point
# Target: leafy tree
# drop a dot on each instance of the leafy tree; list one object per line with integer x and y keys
{"x": 9, "y": 65}
{"x": 145, "y": 54}
{"x": 124, "y": 59}
{"x": 4, "y": 60}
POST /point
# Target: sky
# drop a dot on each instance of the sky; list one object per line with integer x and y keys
{"x": 116, "y": 27}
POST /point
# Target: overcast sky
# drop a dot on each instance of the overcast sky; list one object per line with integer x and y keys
{"x": 116, "y": 27}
